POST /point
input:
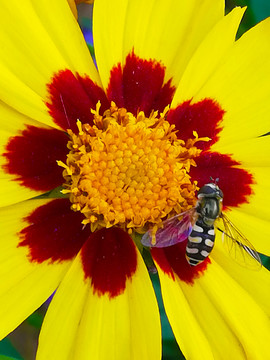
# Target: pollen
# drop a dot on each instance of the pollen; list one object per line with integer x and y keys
{"x": 128, "y": 171}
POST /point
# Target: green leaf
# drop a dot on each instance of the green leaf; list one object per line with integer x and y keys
{"x": 4, "y": 357}
{"x": 260, "y": 8}
{"x": 7, "y": 350}
{"x": 170, "y": 348}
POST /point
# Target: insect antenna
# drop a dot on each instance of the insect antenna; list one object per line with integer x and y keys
{"x": 215, "y": 181}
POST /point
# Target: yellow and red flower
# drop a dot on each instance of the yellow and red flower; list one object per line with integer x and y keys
{"x": 91, "y": 159}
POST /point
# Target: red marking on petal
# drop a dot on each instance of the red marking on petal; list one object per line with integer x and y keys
{"x": 54, "y": 233}
{"x": 32, "y": 156}
{"x": 204, "y": 117}
{"x": 72, "y": 97}
{"x": 139, "y": 85}
{"x": 236, "y": 183}
{"x": 173, "y": 260}
{"x": 109, "y": 258}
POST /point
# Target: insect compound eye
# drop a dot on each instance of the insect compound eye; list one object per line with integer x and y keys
{"x": 210, "y": 190}
{"x": 220, "y": 194}
{"x": 207, "y": 190}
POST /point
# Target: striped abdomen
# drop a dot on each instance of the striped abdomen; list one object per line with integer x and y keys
{"x": 200, "y": 242}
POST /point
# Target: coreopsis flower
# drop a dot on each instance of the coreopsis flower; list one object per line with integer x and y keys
{"x": 93, "y": 158}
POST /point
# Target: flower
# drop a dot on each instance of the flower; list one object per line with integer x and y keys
{"x": 93, "y": 159}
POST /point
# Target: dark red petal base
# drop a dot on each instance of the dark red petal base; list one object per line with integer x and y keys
{"x": 139, "y": 85}
{"x": 72, "y": 97}
{"x": 32, "y": 156}
{"x": 109, "y": 258}
{"x": 54, "y": 233}
{"x": 236, "y": 183}
{"x": 204, "y": 117}
{"x": 172, "y": 260}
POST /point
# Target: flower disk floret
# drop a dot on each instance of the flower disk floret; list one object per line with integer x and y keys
{"x": 128, "y": 170}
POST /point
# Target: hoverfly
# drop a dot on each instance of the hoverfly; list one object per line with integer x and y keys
{"x": 198, "y": 226}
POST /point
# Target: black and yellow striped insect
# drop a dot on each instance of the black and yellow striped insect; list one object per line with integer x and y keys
{"x": 198, "y": 225}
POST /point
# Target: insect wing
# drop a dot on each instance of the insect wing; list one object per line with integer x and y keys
{"x": 174, "y": 230}
{"x": 238, "y": 245}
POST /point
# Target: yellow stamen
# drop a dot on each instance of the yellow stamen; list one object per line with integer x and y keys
{"x": 129, "y": 171}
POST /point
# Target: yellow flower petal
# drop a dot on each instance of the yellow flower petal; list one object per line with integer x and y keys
{"x": 252, "y": 152}
{"x": 24, "y": 285}
{"x": 208, "y": 57}
{"x": 217, "y": 318}
{"x": 108, "y": 31}
{"x": 258, "y": 202}
{"x": 255, "y": 282}
{"x": 150, "y": 28}
{"x": 14, "y": 93}
{"x": 81, "y": 324}
{"x": 183, "y": 320}
{"x": 39, "y": 39}
{"x": 61, "y": 323}
{"x": 241, "y": 85}
{"x": 63, "y": 29}
{"x": 253, "y": 220}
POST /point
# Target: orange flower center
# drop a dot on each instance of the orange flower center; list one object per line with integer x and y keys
{"x": 128, "y": 171}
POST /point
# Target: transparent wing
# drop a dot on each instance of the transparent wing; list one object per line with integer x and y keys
{"x": 174, "y": 230}
{"x": 238, "y": 245}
